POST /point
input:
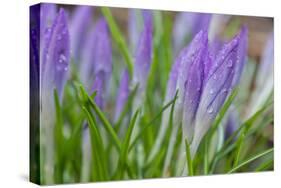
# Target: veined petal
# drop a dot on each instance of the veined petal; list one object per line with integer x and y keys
{"x": 57, "y": 55}
{"x": 187, "y": 58}
{"x": 217, "y": 87}
{"x": 80, "y": 23}
{"x": 193, "y": 89}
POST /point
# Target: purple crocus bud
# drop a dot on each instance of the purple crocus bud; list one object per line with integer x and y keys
{"x": 188, "y": 25}
{"x": 56, "y": 55}
{"x": 47, "y": 17}
{"x": 97, "y": 55}
{"x": 143, "y": 54}
{"x": 193, "y": 85}
{"x": 80, "y": 23}
{"x": 218, "y": 85}
{"x": 122, "y": 94}
{"x": 191, "y": 54}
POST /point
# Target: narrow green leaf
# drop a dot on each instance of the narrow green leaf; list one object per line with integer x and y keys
{"x": 188, "y": 159}
{"x": 59, "y": 140}
{"x": 97, "y": 145}
{"x": 158, "y": 115}
{"x": 118, "y": 38}
{"x": 264, "y": 166}
{"x": 103, "y": 119}
{"x": 251, "y": 159}
{"x": 125, "y": 146}
{"x": 239, "y": 147}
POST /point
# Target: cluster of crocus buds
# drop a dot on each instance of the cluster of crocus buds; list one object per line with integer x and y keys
{"x": 203, "y": 81}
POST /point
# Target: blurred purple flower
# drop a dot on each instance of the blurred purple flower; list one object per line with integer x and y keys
{"x": 187, "y": 25}
{"x": 96, "y": 60}
{"x": 122, "y": 94}
{"x": 80, "y": 23}
{"x": 56, "y": 56}
{"x": 143, "y": 53}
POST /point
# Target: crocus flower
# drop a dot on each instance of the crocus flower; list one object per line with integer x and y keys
{"x": 218, "y": 83}
{"x": 122, "y": 94}
{"x": 187, "y": 25}
{"x": 54, "y": 69}
{"x": 47, "y": 17}
{"x": 96, "y": 61}
{"x": 79, "y": 27}
{"x": 56, "y": 55}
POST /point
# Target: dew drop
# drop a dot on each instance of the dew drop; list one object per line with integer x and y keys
{"x": 211, "y": 91}
{"x": 210, "y": 110}
{"x": 229, "y": 64}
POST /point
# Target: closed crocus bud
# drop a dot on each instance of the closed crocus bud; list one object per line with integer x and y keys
{"x": 193, "y": 86}
{"x": 97, "y": 56}
{"x": 79, "y": 27}
{"x": 217, "y": 86}
{"x": 193, "y": 53}
{"x": 122, "y": 94}
{"x": 187, "y": 25}
{"x": 56, "y": 56}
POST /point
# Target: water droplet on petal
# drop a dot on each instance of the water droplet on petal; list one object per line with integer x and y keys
{"x": 210, "y": 110}
{"x": 211, "y": 91}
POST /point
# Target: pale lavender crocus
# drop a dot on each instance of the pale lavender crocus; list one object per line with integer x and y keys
{"x": 96, "y": 61}
{"x": 56, "y": 55}
{"x": 79, "y": 27}
{"x": 54, "y": 69}
{"x": 232, "y": 122}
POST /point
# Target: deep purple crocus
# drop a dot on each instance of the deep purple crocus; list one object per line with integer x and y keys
{"x": 96, "y": 60}
{"x": 79, "y": 27}
{"x": 56, "y": 56}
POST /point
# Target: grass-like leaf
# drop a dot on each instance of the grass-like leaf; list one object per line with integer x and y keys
{"x": 250, "y": 160}
{"x": 125, "y": 146}
{"x": 103, "y": 118}
{"x": 118, "y": 38}
{"x": 188, "y": 159}
{"x": 97, "y": 147}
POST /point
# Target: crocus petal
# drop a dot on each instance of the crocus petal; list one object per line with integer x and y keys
{"x": 188, "y": 25}
{"x": 217, "y": 87}
{"x": 242, "y": 55}
{"x": 186, "y": 58}
{"x": 122, "y": 94}
{"x": 47, "y": 17}
{"x": 57, "y": 55}
{"x": 194, "y": 87}
{"x": 97, "y": 55}
{"x": 81, "y": 20}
